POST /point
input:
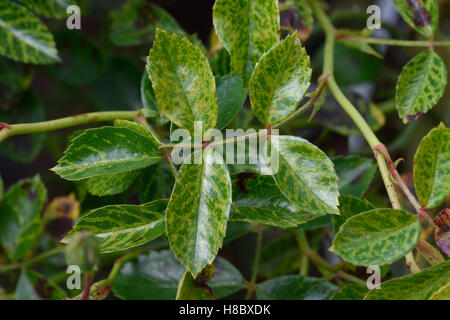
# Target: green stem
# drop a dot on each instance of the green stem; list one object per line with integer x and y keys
{"x": 321, "y": 262}
{"x": 52, "y": 125}
{"x": 33, "y": 261}
{"x": 255, "y": 267}
{"x": 366, "y": 131}
{"x": 397, "y": 42}
{"x": 303, "y": 245}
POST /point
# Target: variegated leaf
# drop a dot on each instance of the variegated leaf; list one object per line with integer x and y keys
{"x": 420, "y": 85}
{"x": 198, "y": 211}
{"x": 119, "y": 227}
{"x": 377, "y": 237}
{"x": 432, "y": 167}
{"x": 107, "y": 150}
{"x": 417, "y": 286}
{"x": 183, "y": 82}
{"x": 349, "y": 206}
{"x": 111, "y": 184}
{"x": 280, "y": 81}
{"x": 305, "y": 175}
{"x": 24, "y": 37}
{"x": 247, "y": 29}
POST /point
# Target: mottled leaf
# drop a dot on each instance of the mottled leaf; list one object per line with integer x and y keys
{"x": 421, "y": 15}
{"x": 350, "y": 292}
{"x": 20, "y": 216}
{"x": 247, "y": 29}
{"x": 416, "y": 286}
{"x": 24, "y": 37}
{"x": 429, "y": 252}
{"x": 60, "y": 216}
{"x": 156, "y": 276}
{"x": 420, "y": 85}
{"x": 305, "y": 175}
{"x": 198, "y": 211}
{"x": 183, "y": 82}
{"x": 49, "y": 8}
{"x": 355, "y": 39}
{"x": 355, "y": 174}
{"x": 34, "y": 286}
{"x": 107, "y": 150}
{"x": 119, "y": 227}
{"x": 432, "y": 167}
{"x": 257, "y": 199}
{"x": 377, "y": 237}
{"x": 349, "y": 206}
{"x": 295, "y": 287}
{"x": 280, "y": 80}
{"x": 136, "y": 22}
{"x": 231, "y": 96}
{"x": 320, "y": 222}
{"x": 149, "y": 99}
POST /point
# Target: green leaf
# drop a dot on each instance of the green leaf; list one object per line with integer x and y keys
{"x": 188, "y": 289}
{"x": 416, "y": 286}
{"x": 247, "y": 29}
{"x": 15, "y": 79}
{"x": 318, "y": 97}
{"x": 20, "y": 216}
{"x": 279, "y": 257}
{"x": 107, "y": 150}
{"x": 347, "y": 38}
{"x": 442, "y": 294}
{"x": 420, "y": 85}
{"x": 421, "y": 15}
{"x": 257, "y": 199}
{"x": 156, "y": 277}
{"x": 183, "y": 82}
{"x": 236, "y": 229}
{"x": 280, "y": 80}
{"x": 429, "y": 252}
{"x": 23, "y": 148}
{"x": 377, "y": 237}
{"x": 295, "y": 287}
{"x": 111, "y": 184}
{"x": 119, "y": 227}
{"x": 49, "y": 8}
{"x": 349, "y": 206}
{"x": 231, "y": 96}
{"x": 24, "y": 37}
{"x": 136, "y": 23}
{"x": 320, "y": 222}
{"x": 198, "y": 211}
{"x": 305, "y": 175}
{"x": 350, "y": 292}
{"x": 220, "y": 63}
{"x": 431, "y": 167}
{"x": 34, "y": 286}
{"x": 355, "y": 174}
{"x": 155, "y": 182}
